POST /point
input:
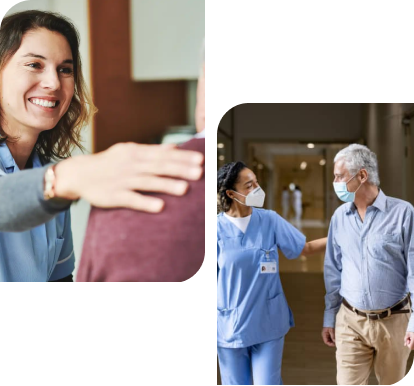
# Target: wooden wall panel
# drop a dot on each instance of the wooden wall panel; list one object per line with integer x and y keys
{"x": 128, "y": 111}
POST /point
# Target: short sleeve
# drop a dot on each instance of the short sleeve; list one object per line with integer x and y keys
{"x": 288, "y": 239}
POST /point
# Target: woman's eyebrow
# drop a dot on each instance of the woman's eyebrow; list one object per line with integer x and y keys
{"x": 66, "y": 61}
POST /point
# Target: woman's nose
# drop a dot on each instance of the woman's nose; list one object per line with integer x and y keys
{"x": 51, "y": 80}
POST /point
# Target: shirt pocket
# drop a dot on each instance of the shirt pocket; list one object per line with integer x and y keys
{"x": 226, "y": 323}
{"x": 58, "y": 248}
{"x": 384, "y": 246}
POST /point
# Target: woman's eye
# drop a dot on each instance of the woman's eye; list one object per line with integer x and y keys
{"x": 33, "y": 65}
{"x": 66, "y": 71}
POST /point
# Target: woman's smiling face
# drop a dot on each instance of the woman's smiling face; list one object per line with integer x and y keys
{"x": 37, "y": 83}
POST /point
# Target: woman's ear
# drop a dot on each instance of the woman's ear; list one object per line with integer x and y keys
{"x": 229, "y": 193}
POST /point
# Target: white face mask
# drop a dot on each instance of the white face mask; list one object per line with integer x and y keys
{"x": 255, "y": 198}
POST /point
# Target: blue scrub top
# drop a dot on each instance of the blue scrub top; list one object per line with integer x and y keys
{"x": 43, "y": 253}
{"x": 251, "y": 306}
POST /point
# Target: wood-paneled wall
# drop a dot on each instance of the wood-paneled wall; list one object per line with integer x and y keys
{"x": 128, "y": 111}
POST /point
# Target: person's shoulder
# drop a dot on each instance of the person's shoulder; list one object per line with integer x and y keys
{"x": 220, "y": 216}
{"x": 342, "y": 210}
{"x": 267, "y": 213}
{"x": 394, "y": 203}
{"x": 264, "y": 212}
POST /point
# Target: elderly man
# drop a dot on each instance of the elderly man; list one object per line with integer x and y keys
{"x": 369, "y": 273}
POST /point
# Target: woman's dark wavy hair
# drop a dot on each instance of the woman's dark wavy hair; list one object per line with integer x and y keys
{"x": 227, "y": 177}
{"x": 59, "y": 141}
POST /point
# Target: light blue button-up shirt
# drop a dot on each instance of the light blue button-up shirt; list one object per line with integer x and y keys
{"x": 43, "y": 253}
{"x": 370, "y": 263}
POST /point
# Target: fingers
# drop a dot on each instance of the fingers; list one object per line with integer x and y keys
{"x": 148, "y": 183}
{"x": 171, "y": 169}
{"x": 157, "y": 153}
{"x": 409, "y": 340}
{"x": 332, "y": 335}
{"x": 328, "y": 336}
{"x": 136, "y": 201}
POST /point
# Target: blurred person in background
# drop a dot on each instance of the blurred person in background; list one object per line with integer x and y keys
{"x": 285, "y": 202}
{"x": 297, "y": 204}
{"x": 253, "y": 315}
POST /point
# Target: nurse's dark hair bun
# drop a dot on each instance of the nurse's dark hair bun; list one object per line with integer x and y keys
{"x": 227, "y": 177}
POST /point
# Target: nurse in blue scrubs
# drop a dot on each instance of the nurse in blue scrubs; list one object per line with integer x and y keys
{"x": 253, "y": 316}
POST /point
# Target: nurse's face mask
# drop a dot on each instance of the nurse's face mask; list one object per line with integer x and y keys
{"x": 342, "y": 192}
{"x": 255, "y": 198}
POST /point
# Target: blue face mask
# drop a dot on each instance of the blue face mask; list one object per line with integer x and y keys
{"x": 341, "y": 191}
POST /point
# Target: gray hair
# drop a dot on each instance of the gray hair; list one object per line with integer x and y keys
{"x": 357, "y": 157}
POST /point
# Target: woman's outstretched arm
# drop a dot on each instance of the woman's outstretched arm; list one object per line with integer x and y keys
{"x": 108, "y": 179}
{"x": 22, "y": 205}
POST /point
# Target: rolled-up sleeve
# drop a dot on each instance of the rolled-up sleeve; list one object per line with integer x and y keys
{"x": 332, "y": 276}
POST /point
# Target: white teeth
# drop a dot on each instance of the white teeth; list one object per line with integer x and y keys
{"x": 43, "y": 102}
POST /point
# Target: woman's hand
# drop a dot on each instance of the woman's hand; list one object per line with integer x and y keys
{"x": 315, "y": 246}
{"x": 110, "y": 179}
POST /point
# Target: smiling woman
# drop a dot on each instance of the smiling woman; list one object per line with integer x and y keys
{"x": 44, "y": 105}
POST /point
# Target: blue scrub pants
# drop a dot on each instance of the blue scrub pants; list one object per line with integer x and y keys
{"x": 261, "y": 362}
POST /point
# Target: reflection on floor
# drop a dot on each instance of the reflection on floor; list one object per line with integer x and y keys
{"x": 306, "y": 359}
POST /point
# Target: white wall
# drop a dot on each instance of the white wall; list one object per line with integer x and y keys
{"x": 167, "y": 36}
{"x": 77, "y": 11}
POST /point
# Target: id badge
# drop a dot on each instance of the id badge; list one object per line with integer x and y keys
{"x": 269, "y": 266}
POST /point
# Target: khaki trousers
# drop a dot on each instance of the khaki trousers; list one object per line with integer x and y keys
{"x": 363, "y": 344}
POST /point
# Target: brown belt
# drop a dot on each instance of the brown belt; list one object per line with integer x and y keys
{"x": 397, "y": 309}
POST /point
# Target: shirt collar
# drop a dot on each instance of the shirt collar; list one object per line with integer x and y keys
{"x": 7, "y": 159}
{"x": 201, "y": 134}
{"x": 379, "y": 203}
{"x": 8, "y": 162}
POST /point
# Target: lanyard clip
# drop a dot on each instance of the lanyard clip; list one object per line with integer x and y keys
{"x": 267, "y": 255}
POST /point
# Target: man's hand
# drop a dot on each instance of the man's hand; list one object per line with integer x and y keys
{"x": 328, "y": 336}
{"x": 409, "y": 340}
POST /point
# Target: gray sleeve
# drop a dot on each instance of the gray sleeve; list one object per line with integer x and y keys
{"x": 22, "y": 205}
